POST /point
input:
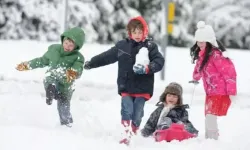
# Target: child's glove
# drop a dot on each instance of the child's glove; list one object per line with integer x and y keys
{"x": 144, "y": 133}
{"x": 86, "y": 65}
{"x": 22, "y": 66}
{"x": 140, "y": 69}
{"x": 71, "y": 75}
{"x": 194, "y": 82}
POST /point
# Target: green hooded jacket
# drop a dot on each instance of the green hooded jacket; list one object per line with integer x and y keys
{"x": 60, "y": 61}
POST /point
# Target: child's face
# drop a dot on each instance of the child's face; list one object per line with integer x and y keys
{"x": 68, "y": 45}
{"x": 137, "y": 35}
{"x": 171, "y": 99}
{"x": 202, "y": 45}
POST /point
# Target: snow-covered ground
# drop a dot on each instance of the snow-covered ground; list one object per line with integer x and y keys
{"x": 27, "y": 123}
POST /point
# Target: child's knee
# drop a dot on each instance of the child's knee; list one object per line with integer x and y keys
{"x": 49, "y": 81}
{"x": 165, "y": 123}
{"x": 64, "y": 96}
{"x": 139, "y": 106}
{"x": 127, "y": 103}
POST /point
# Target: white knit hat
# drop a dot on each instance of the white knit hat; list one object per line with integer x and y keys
{"x": 205, "y": 33}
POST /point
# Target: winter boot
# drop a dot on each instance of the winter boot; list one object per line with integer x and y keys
{"x": 212, "y": 134}
{"x": 211, "y": 127}
{"x": 134, "y": 129}
{"x": 50, "y": 94}
{"x": 69, "y": 125}
{"x": 128, "y": 134}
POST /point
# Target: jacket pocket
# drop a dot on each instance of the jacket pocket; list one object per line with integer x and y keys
{"x": 122, "y": 80}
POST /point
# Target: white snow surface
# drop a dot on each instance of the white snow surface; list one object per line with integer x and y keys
{"x": 27, "y": 123}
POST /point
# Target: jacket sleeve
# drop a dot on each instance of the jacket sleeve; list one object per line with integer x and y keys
{"x": 108, "y": 57}
{"x": 39, "y": 62}
{"x": 78, "y": 65}
{"x": 150, "y": 125}
{"x": 226, "y": 68}
{"x": 156, "y": 59}
{"x": 179, "y": 115}
{"x": 196, "y": 72}
{"x": 184, "y": 117}
{"x": 188, "y": 125}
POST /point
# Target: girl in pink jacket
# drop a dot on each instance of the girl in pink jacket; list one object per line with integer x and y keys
{"x": 218, "y": 75}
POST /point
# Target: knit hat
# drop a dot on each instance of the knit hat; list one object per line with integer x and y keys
{"x": 205, "y": 33}
{"x": 173, "y": 88}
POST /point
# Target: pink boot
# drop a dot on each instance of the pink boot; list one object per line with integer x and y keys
{"x": 128, "y": 134}
{"x": 134, "y": 129}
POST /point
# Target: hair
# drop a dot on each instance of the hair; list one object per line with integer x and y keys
{"x": 163, "y": 98}
{"x": 194, "y": 52}
{"x": 133, "y": 25}
{"x": 66, "y": 38}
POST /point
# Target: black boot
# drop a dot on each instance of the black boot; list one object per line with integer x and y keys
{"x": 50, "y": 93}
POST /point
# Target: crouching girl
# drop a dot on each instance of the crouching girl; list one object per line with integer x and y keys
{"x": 170, "y": 120}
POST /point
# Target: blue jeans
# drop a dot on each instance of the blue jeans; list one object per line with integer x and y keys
{"x": 133, "y": 109}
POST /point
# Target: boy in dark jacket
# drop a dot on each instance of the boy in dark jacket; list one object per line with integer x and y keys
{"x": 135, "y": 80}
{"x": 170, "y": 110}
{"x": 65, "y": 64}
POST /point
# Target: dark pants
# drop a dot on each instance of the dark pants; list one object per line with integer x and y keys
{"x": 63, "y": 103}
{"x": 63, "y": 107}
{"x": 133, "y": 109}
{"x": 165, "y": 123}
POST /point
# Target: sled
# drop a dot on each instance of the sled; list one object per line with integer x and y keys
{"x": 174, "y": 132}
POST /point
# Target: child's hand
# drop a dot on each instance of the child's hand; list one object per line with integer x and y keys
{"x": 140, "y": 69}
{"x": 22, "y": 66}
{"x": 71, "y": 75}
{"x": 86, "y": 65}
{"x": 194, "y": 82}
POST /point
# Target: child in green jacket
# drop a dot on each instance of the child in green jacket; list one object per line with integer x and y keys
{"x": 65, "y": 64}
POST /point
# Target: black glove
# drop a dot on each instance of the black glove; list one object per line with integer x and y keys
{"x": 144, "y": 133}
{"x": 194, "y": 82}
{"x": 87, "y": 65}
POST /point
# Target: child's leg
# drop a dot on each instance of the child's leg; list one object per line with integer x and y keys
{"x": 50, "y": 89}
{"x": 138, "y": 113}
{"x": 211, "y": 127}
{"x": 63, "y": 107}
{"x": 50, "y": 93}
{"x": 126, "y": 113}
{"x": 126, "y": 110}
{"x": 165, "y": 123}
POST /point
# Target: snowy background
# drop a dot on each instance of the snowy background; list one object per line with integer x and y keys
{"x": 104, "y": 20}
{"x": 27, "y": 123}
{"x": 28, "y": 27}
